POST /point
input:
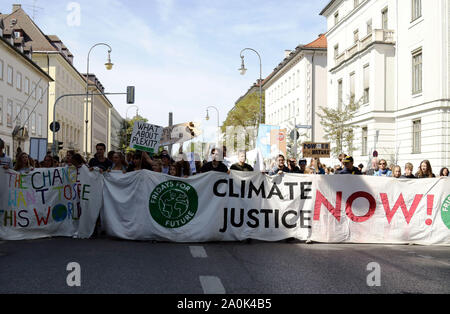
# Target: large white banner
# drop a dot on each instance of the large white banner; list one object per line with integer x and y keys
{"x": 145, "y": 205}
{"x": 207, "y": 207}
{"x": 49, "y": 202}
{"x": 362, "y": 209}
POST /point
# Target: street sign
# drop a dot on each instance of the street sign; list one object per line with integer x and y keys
{"x": 317, "y": 150}
{"x": 58, "y": 127}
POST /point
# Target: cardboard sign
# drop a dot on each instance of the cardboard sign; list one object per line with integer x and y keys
{"x": 146, "y": 137}
{"x": 317, "y": 150}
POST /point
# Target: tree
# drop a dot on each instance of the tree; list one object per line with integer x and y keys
{"x": 125, "y": 133}
{"x": 245, "y": 114}
{"x": 338, "y": 128}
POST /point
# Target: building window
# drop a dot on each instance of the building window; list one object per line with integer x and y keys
{"x": 19, "y": 81}
{"x": 416, "y": 7}
{"x": 336, "y": 18}
{"x": 33, "y": 123}
{"x": 417, "y": 136}
{"x": 336, "y": 51}
{"x": 366, "y": 78}
{"x": 369, "y": 27}
{"x": 40, "y": 94}
{"x": 340, "y": 94}
{"x": 10, "y": 76}
{"x": 9, "y": 113}
{"x": 33, "y": 90}
{"x": 39, "y": 125}
{"x": 384, "y": 19}
{"x": 355, "y": 3}
{"x": 355, "y": 36}
{"x": 417, "y": 72}
{"x": 352, "y": 87}
{"x": 364, "y": 150}
{"x": 1, "y": 110}
{"x": 1, "y": 70}
{"x": 26, "y": 86}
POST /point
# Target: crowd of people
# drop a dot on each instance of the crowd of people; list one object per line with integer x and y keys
{"x": 181, "y": 167}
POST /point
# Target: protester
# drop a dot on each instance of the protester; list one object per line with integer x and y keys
{"x": 341, "y": 166}
{"x": 373, "y": 167}
{"x": 138, "y": 163}
{"x": 280, "y": 167}
{"x": 173, "y": 171}
{"x": 361, "y": 167}
{"x": 443, "y": 172}
{"x": 23, "y": 164}
{"x": 408, "y": 171}
{"x": 383, "y": 171}
{"x": 183, "y": 167}
{"x": 99, "y": 160}
{"x": 157, "y": 166}
{"x": 165, "y": 163}
{"x": 316, "y": 166}
{"x": 78, "y": 160}
{"x": 348, "y": 167}
{"x": 292, "y": 165}
{"x": 110, "y": 155}
{"x": 425, "y": 170}
{"x": 69, "y": 156}
{"x": 216, "y": 164}
{"x": 55, "y": 161}
{"x": 241, "y": 165}
{"x": 118, "y": 162}
{"x": 47, "y": 162}
{"x": 5, "y": 161}
{"x": 397, "y": 172}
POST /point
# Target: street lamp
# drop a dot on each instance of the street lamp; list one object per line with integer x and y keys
{"x": 109, "y": 66}
{"x": 207, "y": 114}
{"x": 243, "y": 70}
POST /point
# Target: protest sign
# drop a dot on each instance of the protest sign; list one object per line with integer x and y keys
{"x": 145, "y": 137}
{"x": 49, "y": 202}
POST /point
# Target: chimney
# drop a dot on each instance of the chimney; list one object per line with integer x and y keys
{"x": 16, "y": 7}
{"x": 287, "y": 53}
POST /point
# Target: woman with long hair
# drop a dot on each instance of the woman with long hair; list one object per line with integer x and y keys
{"x": 119, "y": 162}
{"x": 444, "y": 172}
{"x": 77, "y": 160}
{"x": 23, "y": 164}
{"x": 425, "y": 170}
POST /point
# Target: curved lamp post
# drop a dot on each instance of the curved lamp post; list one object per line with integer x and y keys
{"x": 207, "y": 114}
{"x": 243, "y": 70}
{"x": 108, "y": 66}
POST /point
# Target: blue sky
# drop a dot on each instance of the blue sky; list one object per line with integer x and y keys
{"x": 182, "y": 55}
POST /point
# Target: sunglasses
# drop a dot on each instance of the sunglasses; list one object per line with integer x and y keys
{"x": 383, "y": 163}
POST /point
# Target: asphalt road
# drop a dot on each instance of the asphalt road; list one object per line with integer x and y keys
{"x": 115, "y": 266}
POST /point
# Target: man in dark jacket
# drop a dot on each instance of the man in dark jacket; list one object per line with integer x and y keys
{"x": 348, "y": 167}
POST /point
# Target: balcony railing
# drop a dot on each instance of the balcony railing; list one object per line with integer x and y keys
{"x": 377, "y": 35}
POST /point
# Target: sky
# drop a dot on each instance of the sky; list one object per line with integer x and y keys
{"x": 181, "y": 55}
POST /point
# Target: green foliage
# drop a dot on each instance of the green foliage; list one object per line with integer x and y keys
{"x": 125, "y": 133}
{"x": 245, "y": 114}
{"x": 337, "y": 127}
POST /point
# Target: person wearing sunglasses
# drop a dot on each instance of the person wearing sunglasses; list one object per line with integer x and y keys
{"x": 383, "y": 170}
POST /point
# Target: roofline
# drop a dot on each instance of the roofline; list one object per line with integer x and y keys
{"x": 59, "y": 53}
{"x": 289, "y": 59}
{"x": 327, "y": 7}
{"x": 31, "y": 62}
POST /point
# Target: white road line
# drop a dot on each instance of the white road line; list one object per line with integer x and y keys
{"x": 198, "y": 252}
{"x": 211, "y": 285}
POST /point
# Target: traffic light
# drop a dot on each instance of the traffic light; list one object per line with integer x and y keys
{"x": 130, "y": 94}
{"x": 60, "y": 145}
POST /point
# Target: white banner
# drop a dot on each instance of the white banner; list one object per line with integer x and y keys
{"x": 362, "y": 209}
{"x": 207, "y": 207}
{"x": 145, "y": 205}
{"x": 49, "y": 202}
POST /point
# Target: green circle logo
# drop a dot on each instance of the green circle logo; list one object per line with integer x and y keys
{"x": 445, "y": 212}
{"x": 173, "y": 204}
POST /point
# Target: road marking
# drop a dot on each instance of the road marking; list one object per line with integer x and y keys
{"x": 211, "y": 285}
{"x": 198, "y": 252}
